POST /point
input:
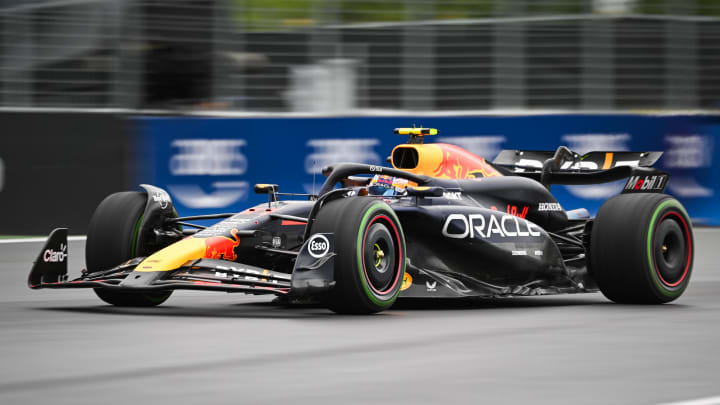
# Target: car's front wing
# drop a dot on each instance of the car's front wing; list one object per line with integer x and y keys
{"x": 50, "y": 271}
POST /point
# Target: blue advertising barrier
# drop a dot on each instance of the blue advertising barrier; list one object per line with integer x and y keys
{"x": 210, "y": 164}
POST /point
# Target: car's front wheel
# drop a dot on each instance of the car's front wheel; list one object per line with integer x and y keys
{"x": 112, "y": 239}
{"x": 370, "y": 254}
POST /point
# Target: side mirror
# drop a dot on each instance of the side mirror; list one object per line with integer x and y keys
{"x": 266, "y": 188}
{"x": 269, "y": 189}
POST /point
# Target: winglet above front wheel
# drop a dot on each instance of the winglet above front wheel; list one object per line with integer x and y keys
{"x": 51, "y": 264}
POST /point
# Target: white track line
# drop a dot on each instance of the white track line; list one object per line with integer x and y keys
{"x": 38, "y": 240}
{"x": 699, "y": 401}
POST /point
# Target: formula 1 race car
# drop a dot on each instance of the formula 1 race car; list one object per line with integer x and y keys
{"x": 441, "y": 222}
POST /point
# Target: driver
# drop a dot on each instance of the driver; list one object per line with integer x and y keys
{"x": 383, "y": 185}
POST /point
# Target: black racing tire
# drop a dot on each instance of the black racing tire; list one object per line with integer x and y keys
{"x": 370, "y": 254}
{"x": 112, "y": 239}
{"x": 641, "y": 249}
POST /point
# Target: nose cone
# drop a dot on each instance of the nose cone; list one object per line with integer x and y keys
{"x": 174, "y": 256}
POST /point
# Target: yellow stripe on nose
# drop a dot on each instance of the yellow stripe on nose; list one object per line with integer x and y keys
{"x": 174, "y": 256}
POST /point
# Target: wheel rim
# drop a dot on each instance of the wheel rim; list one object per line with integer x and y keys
{"x": 381, "y": 255}
{"x": 380, "y": 259}
{"x": 672, "y": 249}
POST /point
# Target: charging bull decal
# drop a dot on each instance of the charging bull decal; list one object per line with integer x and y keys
{"x": 221, "y": 247}
{"x": 459, "y": 164}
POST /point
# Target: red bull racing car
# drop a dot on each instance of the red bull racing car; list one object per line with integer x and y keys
{"x": 441, "y": 222}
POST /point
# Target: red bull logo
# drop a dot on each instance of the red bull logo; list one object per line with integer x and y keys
{"x": 459, "y": 164}
{"x": 222, "y": 247}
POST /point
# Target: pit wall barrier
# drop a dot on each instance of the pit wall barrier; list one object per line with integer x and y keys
{"x": 56, "y": 167}
{"x": 211, "y": 164}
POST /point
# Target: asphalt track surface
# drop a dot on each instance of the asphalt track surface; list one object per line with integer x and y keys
{"x": 67, "y": 347}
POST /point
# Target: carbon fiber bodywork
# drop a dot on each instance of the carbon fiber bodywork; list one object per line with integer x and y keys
{"x": 501, "y": 234}
{"x": 479, "y": 238}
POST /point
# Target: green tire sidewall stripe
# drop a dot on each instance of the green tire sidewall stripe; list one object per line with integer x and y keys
{"x": 660, "y": 286}
{"x": 366, "y": 287}
{"x": 135, "y": 236}
{"x": 149, "y": 296}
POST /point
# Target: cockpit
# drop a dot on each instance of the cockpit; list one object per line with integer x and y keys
{"x": 383, "y": 185}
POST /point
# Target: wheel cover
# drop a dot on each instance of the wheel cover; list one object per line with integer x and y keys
{"x": 672, "y": 249}
{"x": 381, "y": 255}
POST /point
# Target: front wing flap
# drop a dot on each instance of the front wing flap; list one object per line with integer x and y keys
{"x": 50, "y": 271}
{"x": 202, "y": 274}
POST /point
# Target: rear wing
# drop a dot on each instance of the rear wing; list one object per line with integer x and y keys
{"x": 534, "y": 159}
{"x": 564, "y": 166}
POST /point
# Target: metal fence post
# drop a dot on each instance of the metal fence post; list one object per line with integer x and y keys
{"x": 127, "y": 75}
{"x": 681, "y": 57}
{"x": 324, "y": 41}
{"x": 418, "y": 63}
{"x": 18, "y": 59}
{"x": 118, "y": 96}
{"x": 509, "y": 56}
{"x": 598, "y": 70}
{"x": 229, "y": 61}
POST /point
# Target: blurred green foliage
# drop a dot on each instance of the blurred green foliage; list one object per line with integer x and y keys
{"x": 455, "y": 9}
{"x": 708, "y": 7}
{"x": 554, "y": 7}
{"x": 276, "y": 14}
{"x": 269, "y": 14}
{"x": 650, "y": 7}
{"x": 371, "y": 11}
{"x": 702, "y": 7}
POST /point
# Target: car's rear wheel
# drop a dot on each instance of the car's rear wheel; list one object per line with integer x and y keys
{"x": 641, "y": 249}
{"x": 112, "y": 239}
{"x": 370, "y": 254}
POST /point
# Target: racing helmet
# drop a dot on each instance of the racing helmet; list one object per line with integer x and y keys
{"x": 386, "y": 185}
